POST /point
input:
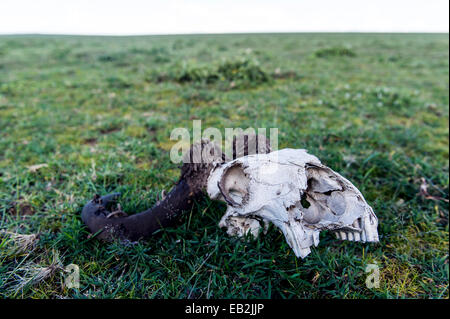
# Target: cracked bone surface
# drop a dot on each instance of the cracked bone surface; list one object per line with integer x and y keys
{"x": 293, "y": 190}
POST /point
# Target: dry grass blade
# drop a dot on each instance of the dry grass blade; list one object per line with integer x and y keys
{"x": 21, "y": 242}
{"x": 32, "y": 274}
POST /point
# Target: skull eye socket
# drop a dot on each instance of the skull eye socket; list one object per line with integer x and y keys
{"x": 234, "y": 185}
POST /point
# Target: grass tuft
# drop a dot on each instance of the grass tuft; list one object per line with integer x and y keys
{"x": 334, "y": 52}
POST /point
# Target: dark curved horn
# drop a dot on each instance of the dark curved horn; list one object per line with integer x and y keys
{"x": 142, "y": 225}
{"x": 98, "y": 217}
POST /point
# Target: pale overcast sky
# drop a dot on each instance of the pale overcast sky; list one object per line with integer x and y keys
{"x": 130, "y": 17}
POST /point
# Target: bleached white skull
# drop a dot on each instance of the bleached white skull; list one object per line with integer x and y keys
{"x": 294, "y": 191}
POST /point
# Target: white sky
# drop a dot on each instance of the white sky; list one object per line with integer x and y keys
{"x": 107, "y": 17}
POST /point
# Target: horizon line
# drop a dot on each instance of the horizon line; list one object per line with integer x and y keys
{"x": 219, "y": 33}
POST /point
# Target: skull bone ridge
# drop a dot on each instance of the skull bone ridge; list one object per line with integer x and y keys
{"x": 293, "y": 190}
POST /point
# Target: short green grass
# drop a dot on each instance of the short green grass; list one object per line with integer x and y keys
{"x": 98, "y": 111}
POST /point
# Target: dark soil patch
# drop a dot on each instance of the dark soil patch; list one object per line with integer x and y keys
{"x": 23, "y": 209}
{"x": 90, "y": 141}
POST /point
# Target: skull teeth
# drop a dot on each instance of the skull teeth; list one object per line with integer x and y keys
{"x": 357, "y": 233}
{"x": 350, "y": 235}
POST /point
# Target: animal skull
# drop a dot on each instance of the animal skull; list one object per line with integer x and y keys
{"x": 294, "y": 191}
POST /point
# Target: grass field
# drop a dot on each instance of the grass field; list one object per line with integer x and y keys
{"x": 98, "y": 112}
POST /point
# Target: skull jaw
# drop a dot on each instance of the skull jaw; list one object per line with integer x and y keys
{"x": 299, "y": 235}
{"x": 241, "y": 226}
{"x": 363, "y": 229}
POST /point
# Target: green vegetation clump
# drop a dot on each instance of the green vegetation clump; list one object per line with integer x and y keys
{"x": 243, "y": 70}
{"x": 334, "y": 51}
{"x": 194, "y": 73}
{"x": 238, "y": 73}
{"x": 93, "y": 115}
